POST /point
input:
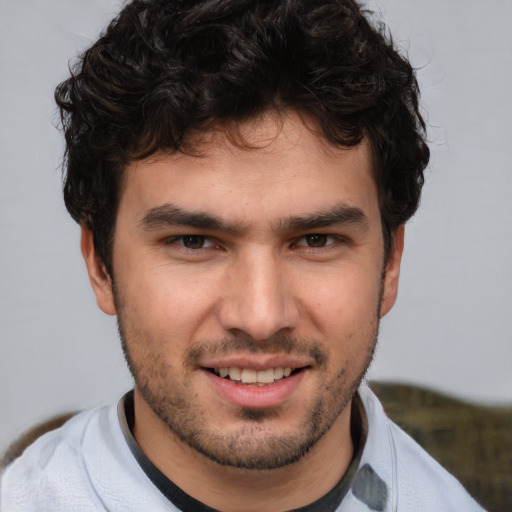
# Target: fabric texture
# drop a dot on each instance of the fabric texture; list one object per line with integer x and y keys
{"x": 87, "y": 465}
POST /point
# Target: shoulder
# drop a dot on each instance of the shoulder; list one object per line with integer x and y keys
{"x": 84, "y": 465}
{"x": 52, "y": 473}
{"x": 415, "y": 480}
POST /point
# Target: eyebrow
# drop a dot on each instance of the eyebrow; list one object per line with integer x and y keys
{"x": 339, "y": 215}
{"x": 172, "y": 215}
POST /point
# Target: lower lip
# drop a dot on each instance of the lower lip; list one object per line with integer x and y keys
{"x": 255, "y": 397}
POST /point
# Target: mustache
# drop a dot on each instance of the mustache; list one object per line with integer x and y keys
{"x": 277, "y": 344}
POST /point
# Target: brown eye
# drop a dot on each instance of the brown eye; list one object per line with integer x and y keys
{"x": 193, "y": 241}
{"x": 316, "y": 240}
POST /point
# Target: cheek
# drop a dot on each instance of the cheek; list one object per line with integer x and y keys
{"x": 345, "y": 301}
{"x": 169, "y": 304}
{"x": 344, "y": 315}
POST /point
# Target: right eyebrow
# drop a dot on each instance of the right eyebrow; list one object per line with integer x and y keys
{"x": 339, "y": 215}
{"x": 171, "y": 215}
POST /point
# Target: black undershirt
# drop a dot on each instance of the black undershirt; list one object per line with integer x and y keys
{"x": 327, "y": 503}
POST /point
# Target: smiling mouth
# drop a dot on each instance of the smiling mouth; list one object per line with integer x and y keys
{"x": 255, "y": 377}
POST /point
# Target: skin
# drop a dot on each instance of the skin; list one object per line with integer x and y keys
{"x": 292, "y": 270}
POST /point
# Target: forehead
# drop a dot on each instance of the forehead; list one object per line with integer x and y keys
{"x": 271, "y": 166}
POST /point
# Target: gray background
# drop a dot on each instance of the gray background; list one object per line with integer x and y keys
{"x": 451, "y": 327}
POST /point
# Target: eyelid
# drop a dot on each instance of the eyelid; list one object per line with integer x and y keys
{"x": 175, "y": 240}
{"x": 331, "y": 240}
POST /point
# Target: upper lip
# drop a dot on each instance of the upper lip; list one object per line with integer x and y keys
{"x": 260, "y": 362}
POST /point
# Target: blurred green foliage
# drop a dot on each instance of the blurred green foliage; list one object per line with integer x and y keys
{"x": 473, "y": 442}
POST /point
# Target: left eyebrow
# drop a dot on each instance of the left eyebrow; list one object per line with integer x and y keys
{"x": 340, "y": 215}
{"x": 171, "y": 215}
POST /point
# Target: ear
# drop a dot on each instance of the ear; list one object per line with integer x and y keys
{"x": 392, "y": 274}
{"x": 100, "y": 280}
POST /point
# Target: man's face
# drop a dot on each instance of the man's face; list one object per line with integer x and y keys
{"x": 248, "y": 287}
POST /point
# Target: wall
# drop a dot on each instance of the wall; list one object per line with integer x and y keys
{"x": 451, "y": 327}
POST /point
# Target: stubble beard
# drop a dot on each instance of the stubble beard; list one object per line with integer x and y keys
{"x": 253, "y": 446}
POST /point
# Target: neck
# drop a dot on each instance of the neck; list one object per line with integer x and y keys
{"x": 226, "y": 488}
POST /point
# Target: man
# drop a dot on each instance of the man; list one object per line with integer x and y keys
{"x": 242, "y": 173}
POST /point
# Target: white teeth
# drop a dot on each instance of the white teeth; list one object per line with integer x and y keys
{"x": 265, "y": 376}
{"x": 250, "y": 376}
{"x": 278, "y": 373}
{"x": 234, "y": 373}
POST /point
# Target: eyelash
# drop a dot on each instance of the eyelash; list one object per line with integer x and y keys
{"x": 297, "y": 243}
{"x": 334, "y": 240}
{"x": 180, "y": 240}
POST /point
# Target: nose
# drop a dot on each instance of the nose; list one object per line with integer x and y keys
{"x": 257, "y": 299}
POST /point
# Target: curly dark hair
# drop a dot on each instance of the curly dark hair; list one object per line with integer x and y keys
{"x": 166, "y": 68}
